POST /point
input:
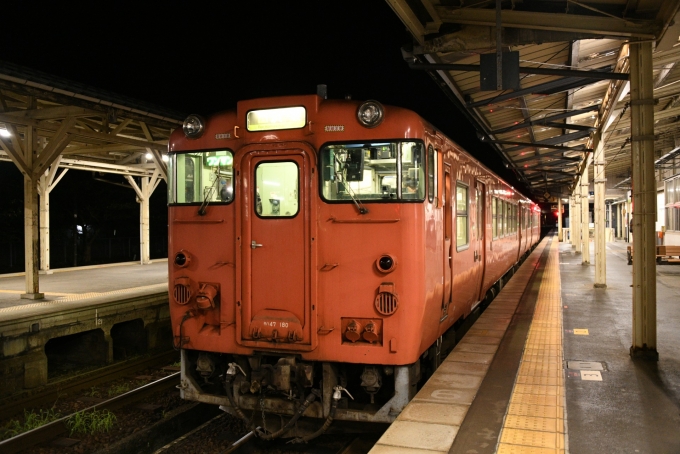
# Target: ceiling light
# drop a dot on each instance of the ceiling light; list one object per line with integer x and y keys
{"x": 4, "y": 133}
{"x": 148, "y": 156}
{"x": 166, "y": 158}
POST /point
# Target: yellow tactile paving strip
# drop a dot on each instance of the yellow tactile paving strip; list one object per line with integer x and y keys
{"x": 534, "y": 422}
{"x": 430, "y": 422}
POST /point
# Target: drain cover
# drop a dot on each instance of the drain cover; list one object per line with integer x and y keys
{"x": 584, "y": 365}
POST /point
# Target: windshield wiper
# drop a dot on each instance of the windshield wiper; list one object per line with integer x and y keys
{"x": 206, "y": 200}
{"x": 360, "y": 206}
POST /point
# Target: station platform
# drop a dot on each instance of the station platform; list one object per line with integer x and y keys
{"x": 546, "y": 369}
{"x": 78, "y": 283}
{"x": 98, "y": 313}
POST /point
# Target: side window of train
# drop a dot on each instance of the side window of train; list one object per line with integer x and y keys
{"x": 276, "y": 191}
{"x": 462, "y": 221}
{"x": 201, "y": 176}
{"x": 494, "y": 218}
{"x": 480, "y": 220}
{"x": 431, "y": 172}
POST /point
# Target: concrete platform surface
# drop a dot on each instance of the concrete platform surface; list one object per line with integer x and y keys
{"x": 561, "y": 379}
{"x": 636, "y": 406}
{"x": 68, "y": 284}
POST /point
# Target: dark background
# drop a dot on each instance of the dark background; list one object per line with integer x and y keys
{"x": 202, "y": 57}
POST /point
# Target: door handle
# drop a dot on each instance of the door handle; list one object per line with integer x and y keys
{"x": 254, "y": 245}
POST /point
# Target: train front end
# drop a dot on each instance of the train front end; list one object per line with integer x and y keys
{"x": 297, "y": 274}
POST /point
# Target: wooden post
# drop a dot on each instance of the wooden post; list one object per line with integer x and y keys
{"x": 644, "y": 201}
{"x": 585, "y": 225}
{"x": 600, "y": 240}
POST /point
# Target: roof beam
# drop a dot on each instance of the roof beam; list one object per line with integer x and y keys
{"x": 547, "y": 143}
{"x": 551, "y": 154}
{"x": 598, "y": 75}
{"x": 552, "y": 87}
{"x": 561, "y": 148}
{"x": 16, "y": 158}
{"x": 83, "y": 133}
{"x": 548, "y": 119}
{"x": 57, "y": 143}
{"x": 477, "y": 38}
{"x": 597, "y": 26}
{"x": 50, "y": 113}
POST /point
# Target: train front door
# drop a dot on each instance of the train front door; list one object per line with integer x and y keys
{"x": 275, "y": 248}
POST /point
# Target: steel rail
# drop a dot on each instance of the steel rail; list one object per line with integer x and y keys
{"x": 12, "y": 405}
{"x": 54, "y": 429}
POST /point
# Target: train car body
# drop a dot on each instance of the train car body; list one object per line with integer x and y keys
{"x": 328, "y": 245}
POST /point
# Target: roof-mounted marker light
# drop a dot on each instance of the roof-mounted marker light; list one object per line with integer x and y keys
{"x": 193, "y": 126}
{"x": 370, "y": 114}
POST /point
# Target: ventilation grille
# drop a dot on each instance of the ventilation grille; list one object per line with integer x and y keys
{"x": 182, "y": 294}
{"x": 386, "y": 303}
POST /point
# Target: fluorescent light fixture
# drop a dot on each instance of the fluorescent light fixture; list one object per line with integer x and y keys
{"x": 274, "y": 119}
{"x": 4, "y": 133}
{"x": 148, "y": 156}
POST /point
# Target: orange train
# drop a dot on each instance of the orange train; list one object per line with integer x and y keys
{"x": 324, "y": 252}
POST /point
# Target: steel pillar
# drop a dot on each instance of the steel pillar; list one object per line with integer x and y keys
{"x": 576, "y": 219}
{"x": 585, "y": 225}
{"x": 600, "y": 240}
{"x": 644, "y": 201}
{"x": 559, "y": 219}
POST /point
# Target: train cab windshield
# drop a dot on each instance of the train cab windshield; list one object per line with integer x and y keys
{"x": 380, "y": 171}
{"x": 201, "y": 177}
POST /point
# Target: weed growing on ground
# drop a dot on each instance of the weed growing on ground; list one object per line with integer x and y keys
{"x": 91, "y": 422}
{"x": 32, "y": 420}
{"x": 119, "y": 389}
{"x": 94, "y": 392}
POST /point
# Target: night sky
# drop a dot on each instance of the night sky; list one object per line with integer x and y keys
{"x": 202, "y": 57}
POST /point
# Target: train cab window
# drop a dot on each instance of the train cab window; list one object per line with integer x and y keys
{"x": 462, "y": 203}
{"x": 384, "y": 171}
{"x": 201, "y": 177}
{"x": 277, "y": 188}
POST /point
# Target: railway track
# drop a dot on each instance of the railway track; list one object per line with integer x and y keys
{"x": 15, "y": 405}
{"x": 209, "y": 438}
{"x": 56, "y": 428}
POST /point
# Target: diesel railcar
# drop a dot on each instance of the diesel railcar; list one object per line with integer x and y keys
{"x": 323, "y": 253}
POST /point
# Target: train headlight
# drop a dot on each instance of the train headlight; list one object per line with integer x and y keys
{"x": 370, "y": 114}
{"x": 182, "y": 259}
{"x": 386, "y": 263}
{"x": 193, "y": 126}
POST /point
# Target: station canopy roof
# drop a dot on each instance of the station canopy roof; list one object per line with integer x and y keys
{"x": 573, "y": 78}
{"x": 80, "y": 127}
